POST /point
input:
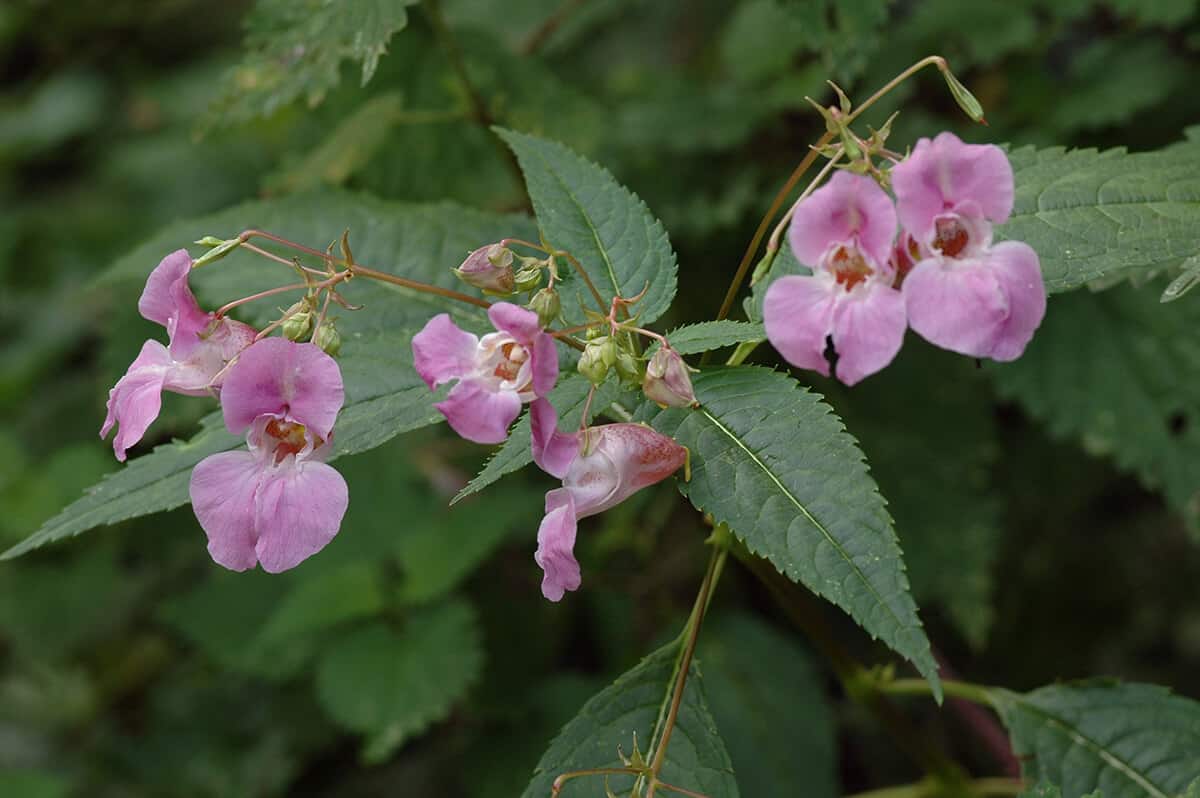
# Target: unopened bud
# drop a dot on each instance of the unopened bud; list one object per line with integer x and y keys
{"x": 965, "y": 99}
{"x": 592, "y": 362}
{"x": 489, "y": 268}
{"x": 219, "y": 249}
{"x": 667, "y": 381}
{"x": 546, "y": 305}
{"x": 628, "y": 369}
{"x": 328, "y": 338}
{"x": 529, "y": 276}
{"x": 298, "y": 325}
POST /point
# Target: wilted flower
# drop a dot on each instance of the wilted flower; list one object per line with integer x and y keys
{"x": 844, "y": 232}
{"x": 200, "y": 346}
{"x": 496, "y": 373}
{"x": 600, "y": 467}
{"x": 964, "y": 293}
{"x": 276, "y": 503}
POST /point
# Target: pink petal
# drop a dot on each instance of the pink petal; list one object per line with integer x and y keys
{"x": 798, "y": 314}
{"x": 299, "y": 509}
{"x": 944, "y": 174}
{"x": 160, "y": 298}
{"x": 1016, "y": 266}
{"x": 868, "y": 329}
{"x": 623, "y": 459}
{"x": 230, "y": 337}
{"x": 278, "y": 377}
{"x": 958, "y": 305}
{"x": 222, "y": 489}
{"x": 135, "y": 400}
{"x": 556, "y": 544}
{"x": 443, "y": 352}
{"x": 518, "y": 322}
{"x": 545, "y": 364}
{"x": 553, "y": 451}
{"x": 478, "y": 414}
{"x": 849, "y": 206}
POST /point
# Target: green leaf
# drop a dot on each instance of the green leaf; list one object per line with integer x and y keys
{"x": 384, "y": 394}
{"x": 582, "y": 209}
{"x": 702, "y": 337}
{"x": 696, "y": 758}
{"x": 33, "y": 784}
{"x": 1120, "y": 373}
{"x": 393, "y": 685}
{"x": 1127, "y": 740}
{"x": 1106, "y": 215}
{"x": 295, "y": 48}
{"x": 568, "y": 398}
{"x": 771, "y": 459}
{"x": 354, "y": 590}
{"x": 768, "y": 699}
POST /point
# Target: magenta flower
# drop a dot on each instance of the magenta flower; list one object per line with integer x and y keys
{"x": 844, "y": 233}
{"x": 600, "y": 468}
{"x": 964, "y": 293}
{"x": 277, "y": 503}
{"x": 200, "y": 346}
{"x": 496, "y": 373}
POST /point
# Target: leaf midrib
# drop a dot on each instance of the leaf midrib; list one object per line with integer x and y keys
{"x": 1079, "y": 738}
{"x": 800, "y": 506}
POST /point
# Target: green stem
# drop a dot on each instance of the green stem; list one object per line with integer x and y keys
{"x": 975, "y": 693}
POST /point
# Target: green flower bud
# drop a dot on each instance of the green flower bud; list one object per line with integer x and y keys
{"x": 965, "y": 99}
{"x": 298, "y": 325}
{"x": 329, "y": 339}
{"x": 592, "y": 363}
{"x": 219, "y": 250}
{"x": 628, "y": 369}
{"x": 546, "y": 305}
{"x": 528, "y": 277}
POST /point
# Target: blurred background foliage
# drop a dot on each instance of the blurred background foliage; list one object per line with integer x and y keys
{"x": 1044, "y": 507}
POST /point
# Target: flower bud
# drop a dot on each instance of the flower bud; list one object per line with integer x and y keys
{"x": 298, "y": 325}
{"x": 489, "y": 268}
{"x": 328, "y": 339}
{"x": 219, "y": 249}
{"x": 667, "y": 381}
{"x": 546, "y": 305}
{"x": 628, "y": 369}
{"x": 965, "y": 99}
{"x": 529, "y": 276}
{"x": 592, "y": 362}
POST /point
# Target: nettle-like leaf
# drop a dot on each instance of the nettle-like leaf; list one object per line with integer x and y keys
{"x": 771, "y": 460}
{"x": 569, "y": 398}
{"x": 295, "y": 48}
{"x": 384, "y": 394}
{"x": 769, "y": 701}
{"x": 582, "y": 209}
{"x": 1106, "y": 215}
{"x": 390, "y": 685}
{"x": 1120, "y": 372}
{"x": 708, "y": 335}
{"x": 634, "y": 705}
{"x": 1125, "y": 740}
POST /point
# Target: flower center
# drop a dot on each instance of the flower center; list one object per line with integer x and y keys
{"x": 289, "y": 438}
{"x": 951, "y": 237}
{"x": 849, "y": 267}
{"x": 512, "y": 357}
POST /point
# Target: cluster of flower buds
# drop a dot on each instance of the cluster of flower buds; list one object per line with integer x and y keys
{"x": 498, "y": 271}
{"x": 943, "y": 276}
{"x": 276, "y": 502}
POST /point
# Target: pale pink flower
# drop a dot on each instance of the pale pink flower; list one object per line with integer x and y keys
{"x": 844, "y": 233}
{"x": 276, "y": 503}
{"x": 200, "y": 346}
{"x": 600, "y": 467}
{"x": 496, "y": 374}
{"x": 965, "y": 293}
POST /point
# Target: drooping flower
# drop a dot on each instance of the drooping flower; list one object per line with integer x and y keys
{"x": 667, "y": 381}
{"x": 200, "y": 346}
{"x": 275, "y": 503}
{"x": 965, "y": 293}
{"x": 496, "y": 374}
{"x": 844, "y": 233}
{"x": 600, "y": 467}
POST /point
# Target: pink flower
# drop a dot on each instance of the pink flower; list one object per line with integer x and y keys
{"x": 496, "y": 373}
{"x": 200, "y": 346}
{"x": 277, "y": 503}
{"x": 844, "y": 232}
{"x": 966, "y": 294}
{"x": 600, "y": 468}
